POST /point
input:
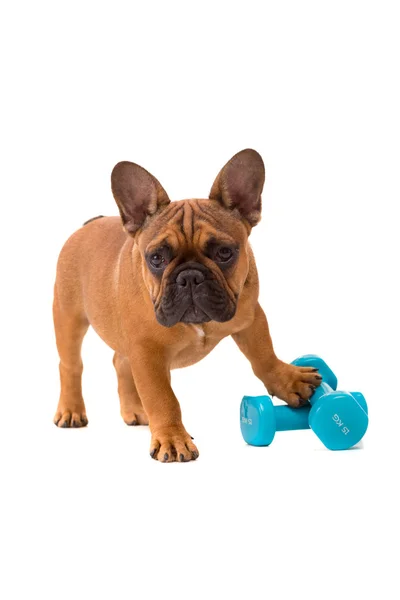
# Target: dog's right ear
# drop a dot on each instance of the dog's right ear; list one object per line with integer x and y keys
{"x": 137, "y": 194}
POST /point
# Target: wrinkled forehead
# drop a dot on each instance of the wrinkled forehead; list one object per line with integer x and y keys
{"x": 192, "y": 223}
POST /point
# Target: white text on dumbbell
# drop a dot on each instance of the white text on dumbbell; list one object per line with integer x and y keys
{"x": 248, "y": 421}
{"x": 339, "y": 423}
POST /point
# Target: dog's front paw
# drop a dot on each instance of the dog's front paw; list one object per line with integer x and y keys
{"x": 170, "y": 444}
{"x": 70, "y": 418}
{"x": 293, "y": 384}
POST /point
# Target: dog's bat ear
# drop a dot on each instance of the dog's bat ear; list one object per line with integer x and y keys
{"x": 137, "y": 193}
{"x": 239, "y": 185}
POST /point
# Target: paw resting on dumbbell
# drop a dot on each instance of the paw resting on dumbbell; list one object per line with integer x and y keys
{"x": 294, "y": 384}
{"x": 339, "y": 419}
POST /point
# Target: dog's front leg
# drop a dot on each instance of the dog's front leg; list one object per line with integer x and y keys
{"x": 293, "y": 384}
{"x": 169, "y": 439}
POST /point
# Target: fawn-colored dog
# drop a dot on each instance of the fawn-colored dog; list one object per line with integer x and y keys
{"x": 162, "y": 288}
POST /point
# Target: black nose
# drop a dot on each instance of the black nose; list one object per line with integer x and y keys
{"x": 190, "y": 277}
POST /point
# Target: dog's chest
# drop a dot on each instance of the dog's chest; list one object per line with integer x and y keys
{"x": 197, "y": 346}
{"x": 200, "y": 333}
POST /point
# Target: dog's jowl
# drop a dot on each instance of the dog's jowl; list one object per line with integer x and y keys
{"x": 162, "y": 284}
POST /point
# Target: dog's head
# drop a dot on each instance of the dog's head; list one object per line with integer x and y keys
{"x": 194, "y": 252}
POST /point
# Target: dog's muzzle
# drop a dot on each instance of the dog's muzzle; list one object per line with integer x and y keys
{"x": 193, "y": 295}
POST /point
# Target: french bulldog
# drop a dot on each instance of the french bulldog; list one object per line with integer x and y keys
{"x": 162, "y": 284}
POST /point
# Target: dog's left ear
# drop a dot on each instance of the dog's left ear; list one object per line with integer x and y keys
{"x": 137, "y": 193}
{"x": 239, "y": 185}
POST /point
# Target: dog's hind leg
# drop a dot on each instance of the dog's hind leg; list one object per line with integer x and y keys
{"x": 70, "y": 328}
{"x": 132, "y": 410}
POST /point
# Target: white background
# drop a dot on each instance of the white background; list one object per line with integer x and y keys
{"x": 179, "y": 87}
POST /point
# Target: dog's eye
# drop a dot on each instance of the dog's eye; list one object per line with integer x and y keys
{"x": 224, "y": 254}
{"x": 157, "y": 260}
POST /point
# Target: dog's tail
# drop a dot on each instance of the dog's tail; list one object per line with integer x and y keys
{"x": 92, "y": 219}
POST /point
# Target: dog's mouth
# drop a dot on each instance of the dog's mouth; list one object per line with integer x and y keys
{"x": 194, "y": 314}
{"x": 209, "y": 302}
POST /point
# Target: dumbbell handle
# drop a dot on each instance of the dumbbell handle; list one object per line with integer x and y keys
{"x": 324, "y": 388}
{"x": 320, "y": 391}
{"x": 289, "y": 419}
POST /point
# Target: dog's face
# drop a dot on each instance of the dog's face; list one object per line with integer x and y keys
{"x": 195, "y": 262}
{"x": 194, "y": 252}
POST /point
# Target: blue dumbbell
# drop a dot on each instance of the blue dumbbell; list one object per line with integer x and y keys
{"x": 339, "y": 419}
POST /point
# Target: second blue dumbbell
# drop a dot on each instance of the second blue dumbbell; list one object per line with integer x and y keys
{"x": 260, "y": 419}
